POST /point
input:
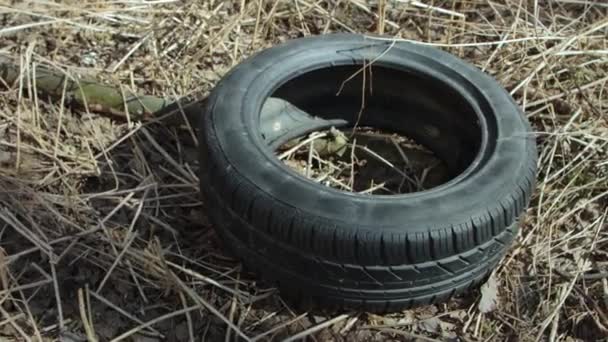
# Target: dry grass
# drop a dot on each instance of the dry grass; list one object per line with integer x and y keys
{"x": 102, "y": 233}
{"x": 366, "y": 161}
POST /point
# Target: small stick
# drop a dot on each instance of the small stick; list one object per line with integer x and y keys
{"x": 165, "y": 154}
{"x": 407, "y": 162}
{"x": 381, "y": 16}
{"x": 308, "y": 165}
{"x": 87, "y": 293}
{"x": 83, "y": 316}
{"x": 54, "y": 326}
{"x": 425, "y": 173}
{"x": 325, "y": 162}
{"x": 67, "y": 249}
{"x": 137, "y": 284}
{"x": 57, "y": 297}
{"x": 32, "y": 321}
{"x": 373, "y": 188}
{"x": 302, "y": 143}
{"x": 11, "y": 320}
{"x": 438, "y": 9}
{"x": 194, "y": 296}
{"x": 362, "y": 6}
{"x": 161, "y": 224}
{"x": 203, "y": 303}
{"x": 322, "y": 177}
{"x": 154, "y": 321}
{"x": 351, "y": 181}
{"x": 478, "y": 325}
{"x": 262, "y": 320}
{"x": 316, "y": 328}
{"x": 400, "y": 150}
{"x": 43, "y": 272}
{"x": 25, "y": 287}
{"x": 403, "y": 181}
{"x": 206, "y": 279}
{"x": 278, "y": 327}
{"x": 188, "y": 317}
{"x": 138, "y": 211}
{"x": 124, "y": 313}
{"x": 380, "y": 158}
{"x": 116, "y": 261}
{"x": 257, "y": 24}
{"x": 60, "y": 119}
{"x": 129, "y": 53}
{"x": 337, "y": 181}
{"x": 10, "y": 219}
{"x": 408, "y": 335}
{"x": 233, "y": 303}
{"x": 351, "y": 322}
{"x": 244, "y": 315}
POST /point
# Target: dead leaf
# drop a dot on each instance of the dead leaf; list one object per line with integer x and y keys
{"x": 335, "y": 143}
{"x": 489, "y": 296}
{"x": 446, "y": 326}
{"x": 406, "y": 318}
{"x": 381, "y": 320}
{"x": 430, "y": 324}
{"x": 458, "y": 315}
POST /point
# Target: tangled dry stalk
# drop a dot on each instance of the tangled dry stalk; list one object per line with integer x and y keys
{"x": 368, "y": 161}
{"x": 102, "y": 233}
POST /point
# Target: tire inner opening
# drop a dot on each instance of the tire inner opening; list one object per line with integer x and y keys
{"x": 406, "y": 132}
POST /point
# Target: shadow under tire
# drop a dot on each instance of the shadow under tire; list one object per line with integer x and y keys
{"x": 377, "y": 253}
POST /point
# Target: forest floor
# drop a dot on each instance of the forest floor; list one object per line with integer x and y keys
{"x": 103, "y": 235}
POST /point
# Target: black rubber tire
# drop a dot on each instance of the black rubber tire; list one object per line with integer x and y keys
{"x": 375, "y": 253}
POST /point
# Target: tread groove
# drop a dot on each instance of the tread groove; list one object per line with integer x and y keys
{"x": 475, "y": 232}
{"x": 268, "y": 221}
{"x": 334, "y": 244}
{"x": 390, "y": 270}
{"x": 502, "y": 243}
{"x": 290, "y": 230}
{"x": 311, "y": 240}
{"x": 505, "y": 215}
{"x": 439, "y": 265}
{"x": 383, "y": 256}
{"x": 233, "y": 196}
{"x": 366, "y": 272}
{"x": 250, "y": 210}
{"x": 463, "y": 259}
{"x": 431, "y": 245}
{"x": 356, "y": 251}
{"x": 454, "y": 241}
{"x": 408, "y": 250}
{"x": 493, "y": 226}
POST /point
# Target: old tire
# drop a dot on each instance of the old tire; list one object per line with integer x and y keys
{"x": 376, "y": 253}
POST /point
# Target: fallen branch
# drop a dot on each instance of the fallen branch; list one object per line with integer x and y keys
{"x": 90, "y": 95}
